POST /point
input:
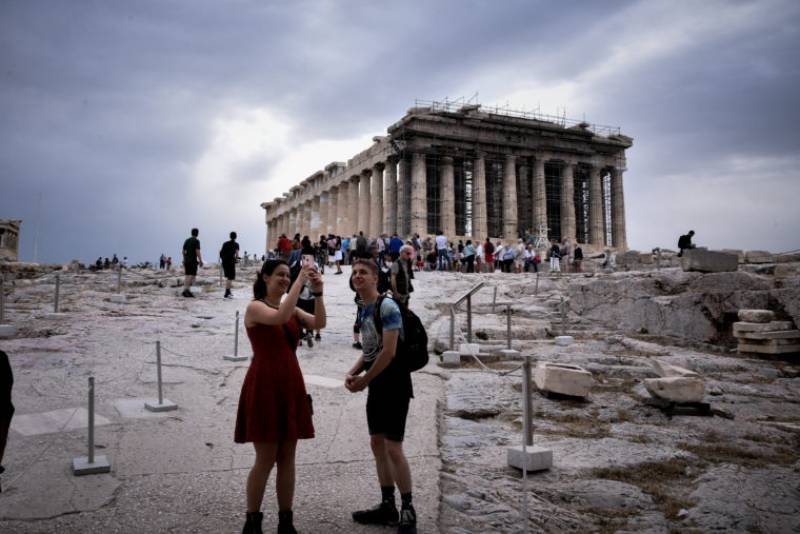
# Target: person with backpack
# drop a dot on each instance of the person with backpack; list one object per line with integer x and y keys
{"x": 229, "y": 255}
{"x": 382, "y": 367}
{"x": 401, "y": 275}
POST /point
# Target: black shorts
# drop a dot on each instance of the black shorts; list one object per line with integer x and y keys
{"x": 190, "y": 269}
{"x": 386, "y": 414}
{"x": 229, "y": 269}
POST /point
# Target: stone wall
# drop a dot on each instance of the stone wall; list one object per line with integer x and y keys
{"x": 692, "y": 306}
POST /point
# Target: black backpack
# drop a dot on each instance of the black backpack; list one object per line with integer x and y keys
{"x": 413, "y": 348}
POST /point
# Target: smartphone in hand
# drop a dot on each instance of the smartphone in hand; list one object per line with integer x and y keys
{"x": 307, "y": 260}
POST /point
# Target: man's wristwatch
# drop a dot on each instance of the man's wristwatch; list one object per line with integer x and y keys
{"x": 315, "y": 294}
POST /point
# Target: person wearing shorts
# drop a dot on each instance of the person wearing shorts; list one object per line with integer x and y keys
{"x": 390, "y": 392}
{"x": 191, "y": 261}
{"x": 228, "y": 255}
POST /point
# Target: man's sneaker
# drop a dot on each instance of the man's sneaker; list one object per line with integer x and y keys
{"x": 317, "y": 336}
{"x": 408, "y": 521}
{"x": 383, "y": 514}
{"x": 187, "y": 293}
{"x": 357, "y": 345}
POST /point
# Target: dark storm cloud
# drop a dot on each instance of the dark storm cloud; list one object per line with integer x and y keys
{"x": 111, "y": 110}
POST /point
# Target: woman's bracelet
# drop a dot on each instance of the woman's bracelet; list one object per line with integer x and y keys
{"x": 313, "y": 294}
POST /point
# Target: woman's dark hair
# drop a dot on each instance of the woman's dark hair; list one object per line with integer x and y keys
{"x": 260, "y": 286}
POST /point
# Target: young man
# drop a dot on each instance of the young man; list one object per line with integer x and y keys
{"x": 390, "y": 391}
{"x": 228, "y": 254}
{"x": 191, "y": 260}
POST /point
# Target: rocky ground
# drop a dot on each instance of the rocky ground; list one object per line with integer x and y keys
{"x": 620, "y": 465}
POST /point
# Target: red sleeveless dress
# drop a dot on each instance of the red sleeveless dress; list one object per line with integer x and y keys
{"x": 273, "y": 405}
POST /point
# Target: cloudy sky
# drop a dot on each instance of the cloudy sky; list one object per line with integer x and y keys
{"x": 124, "y": 124}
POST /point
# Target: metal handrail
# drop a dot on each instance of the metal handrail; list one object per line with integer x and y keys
{"x": 468, "y": 297}
{"x": 469, "y": 293}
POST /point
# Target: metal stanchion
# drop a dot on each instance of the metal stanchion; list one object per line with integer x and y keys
{"x": 469, "y": 318}
{"x": 563, "y": 317}
{"x": 536, "y": 290}
{"x": 90, "y": 465}
{"x": 508, "y": 326}
{"x": 494, "y": 298}
{"x": 527, "y": 424}
{"x": 58, "y": 289}
{"x": 452, "y": 328}
{"x": 235, "y": 357}
{"x": 163, "y": 405}
{"x": 526, "y": 457}
{"x": 220, "y": 274}
{"x": 119, "y": 279}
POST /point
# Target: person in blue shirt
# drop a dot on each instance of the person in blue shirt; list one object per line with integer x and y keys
{"x": 390, "y": 393}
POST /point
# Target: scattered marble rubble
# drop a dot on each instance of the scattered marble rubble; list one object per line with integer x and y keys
{"x": 759, "y": 332}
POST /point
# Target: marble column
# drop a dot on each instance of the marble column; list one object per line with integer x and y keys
{"x": 447, "y": 211}
{"x": 353, "y": 205}
{"x": 419, "y": 195}
{"x": 618, "y": 238}
{"x": 364, "y": 203}
{"x": 293, "y": 222}
{"x": 342, "y": 204}
{"x": 376, "y": 226}
{"x": 539, "y": 199}
{"x": 524, "y": 198}
{"x": 315, "y": 226}
{"x": 390, "y": 198}
{"x": 510, "y": 228}
{"x": 596, "y": 234}
{"x": 333, "y": 209}
{"x": 404, "y": 198}
{"x": 568, "y": 201}
{"x": 324, "y": 207}
{"x": 479, "y": 221}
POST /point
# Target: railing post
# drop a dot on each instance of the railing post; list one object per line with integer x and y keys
{"x": 563, "y": 317}
{"x": 536, "y": 290}
{"x": 527, "y": 427}
{"x": 494, "y": 298}
{"x": 58, "y": 289}
{"x": 469, "y": 318}
{"x": 91, "y": 420}
{"x": 158, "y": 366}
{"x": 236, "y": 336}
{"x": 119, "y": 278}
{"x": 452, "y": 327}
{"x": 508, "y": 325}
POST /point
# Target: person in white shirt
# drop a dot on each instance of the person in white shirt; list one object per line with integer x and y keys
{"x": 479, "y": 257}
{"x": 442, "y": 257}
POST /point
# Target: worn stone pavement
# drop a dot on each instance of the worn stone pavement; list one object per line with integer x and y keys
{"x": 181, "y": 471}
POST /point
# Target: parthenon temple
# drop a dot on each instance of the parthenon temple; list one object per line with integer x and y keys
{"x": 470, "y": 172}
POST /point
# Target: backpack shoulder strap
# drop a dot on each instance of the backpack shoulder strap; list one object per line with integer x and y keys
{"x": 377, "y": 314}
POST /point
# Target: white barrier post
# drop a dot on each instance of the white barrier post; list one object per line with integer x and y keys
{"x": 90, "y": 465}
{"x": 235, "y": 357}
{"x": 163, "y": 404}
{"x": 118, "y": 297}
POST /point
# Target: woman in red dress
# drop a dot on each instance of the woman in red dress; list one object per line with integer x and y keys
{"x": 274, "y": 410}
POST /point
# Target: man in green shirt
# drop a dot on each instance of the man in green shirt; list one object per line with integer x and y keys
{"x": 191, "y": 261}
